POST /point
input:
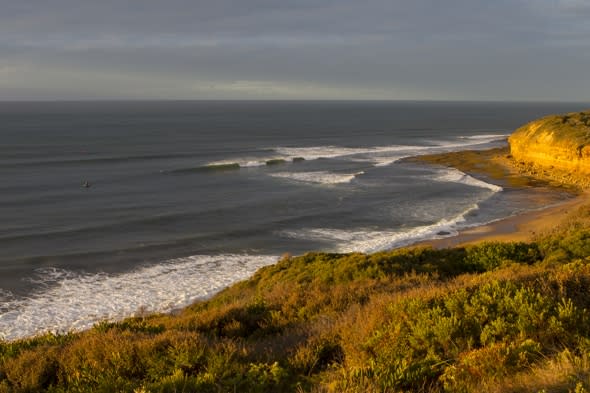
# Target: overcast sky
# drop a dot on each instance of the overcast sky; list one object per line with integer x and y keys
{"x": 286, "y": 49}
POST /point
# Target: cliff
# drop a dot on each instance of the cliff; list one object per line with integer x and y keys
{"x": 559, "y": 142}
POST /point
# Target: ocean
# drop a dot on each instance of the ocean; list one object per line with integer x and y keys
{"x": 112, "y": 208}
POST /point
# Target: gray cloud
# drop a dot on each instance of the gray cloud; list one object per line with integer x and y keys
{"x": 457, "y": 49}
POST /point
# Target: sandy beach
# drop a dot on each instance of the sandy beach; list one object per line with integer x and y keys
{"x": 496, "y": 164}
{"x": 523, "y": 227}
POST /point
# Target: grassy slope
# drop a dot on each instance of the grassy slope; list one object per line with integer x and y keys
{"x": 569, "y": 130}
{"x": 495, "y": 317}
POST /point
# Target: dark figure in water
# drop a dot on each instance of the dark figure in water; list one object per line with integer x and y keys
{"x": 85, "y": 184}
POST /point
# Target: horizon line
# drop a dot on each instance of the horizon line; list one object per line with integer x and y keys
{"x": 147, "y": 100}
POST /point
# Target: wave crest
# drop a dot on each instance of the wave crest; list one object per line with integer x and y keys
{"x": 319, "y": 177}
{"x": 456, "y": 176}
{"x": 378, "y": 155}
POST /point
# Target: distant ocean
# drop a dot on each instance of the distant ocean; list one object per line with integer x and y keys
{"x": 108, "y": 208}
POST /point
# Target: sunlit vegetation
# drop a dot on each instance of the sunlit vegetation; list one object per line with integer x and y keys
{"x": 568, "y": 129}
{"x": 496, "y": 317}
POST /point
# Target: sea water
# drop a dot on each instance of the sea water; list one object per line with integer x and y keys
{"x": 111, "y": 208}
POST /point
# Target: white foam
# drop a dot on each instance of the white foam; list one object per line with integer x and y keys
{"x": 316, "y": 152}
{"x": 251, "y": 163}
{"x": 242, "y": 162}
{"x": 456, "y": 176}
{"x": 489, "y": 137}
{"x": 379, "y": 155}
{"x": 72, "y": 302}
{"x": 385, "y": 155}
{"x": 318, "y": 177}
{"x": 372, "y": 241}
{"x": 388, "y": 160}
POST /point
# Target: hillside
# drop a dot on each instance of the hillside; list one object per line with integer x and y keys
{"x": 557, "y": 143}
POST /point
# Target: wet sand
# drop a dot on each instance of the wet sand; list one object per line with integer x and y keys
{"x": 497, "y": 164}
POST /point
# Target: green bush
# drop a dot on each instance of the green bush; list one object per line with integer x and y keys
{"x": 492, "y": 255}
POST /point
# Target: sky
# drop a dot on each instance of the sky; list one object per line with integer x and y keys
{"x": 518, "y": 50}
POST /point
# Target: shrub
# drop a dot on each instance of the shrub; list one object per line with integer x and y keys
{"x": 32, "y": 371}
{"x": 317, "y": 354}
{"x": 492, "y": 255}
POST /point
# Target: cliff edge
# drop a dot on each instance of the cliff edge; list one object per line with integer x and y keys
{"x": 557, "y": 141}
{"x": 554, "y": 148}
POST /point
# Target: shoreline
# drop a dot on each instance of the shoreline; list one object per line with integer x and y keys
{"x": 496, "y": 164}
{"x": 519, "y": 228}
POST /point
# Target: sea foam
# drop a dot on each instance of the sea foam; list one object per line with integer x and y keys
{"x": 385, "y": 155}
{"x": 318, "y": 177}
{"x": 378, "y": 155}
{"x": 72, "y": 301}
{"x": 491, "y": 137}
{"x": 241, "y": 162}
{"x": 360, "y": 240}
{"x": 456, "y": 176}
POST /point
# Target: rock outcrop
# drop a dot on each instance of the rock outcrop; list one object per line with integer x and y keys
{"x": 559, "y": 142}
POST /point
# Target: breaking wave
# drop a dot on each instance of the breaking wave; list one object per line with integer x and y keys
{"x": 319, "y": 177}
{"x": 71, "y": 301}
{"x": 377, "y": 155}
{"x": 456, "y": 176}
{"x": 368, "y": 241}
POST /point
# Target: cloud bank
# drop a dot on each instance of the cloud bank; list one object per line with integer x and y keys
{"x": 323, "y": 49}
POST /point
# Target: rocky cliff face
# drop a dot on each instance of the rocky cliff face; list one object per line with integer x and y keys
{"x": 558, "y": 141}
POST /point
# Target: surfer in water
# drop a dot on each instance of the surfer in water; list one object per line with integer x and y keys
{"x": 85, "y": 184}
